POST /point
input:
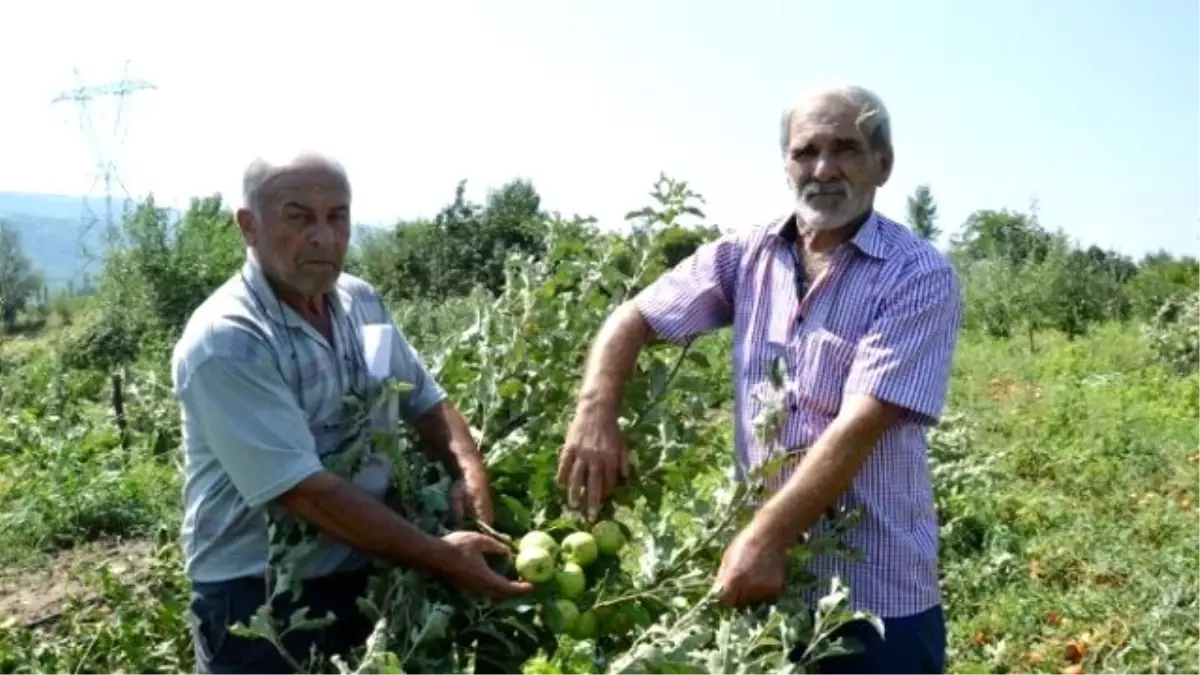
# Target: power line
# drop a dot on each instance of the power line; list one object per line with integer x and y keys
{"x": 84, "y": 96}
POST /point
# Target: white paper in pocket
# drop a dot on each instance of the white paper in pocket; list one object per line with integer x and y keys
{"x": 377, "y": 349}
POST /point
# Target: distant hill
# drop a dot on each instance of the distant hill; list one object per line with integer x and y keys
{"x": 56, "y": 236}
{"x": 62, "y": 239}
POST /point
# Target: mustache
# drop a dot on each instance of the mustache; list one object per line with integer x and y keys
{"x": 815, "y": 188}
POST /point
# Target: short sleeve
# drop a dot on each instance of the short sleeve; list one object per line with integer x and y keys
{"x": 253, "y": 425}
{"x": 697, "y": 295}
{"x": 407, "y": 366}
{"x": 905, "y": 357}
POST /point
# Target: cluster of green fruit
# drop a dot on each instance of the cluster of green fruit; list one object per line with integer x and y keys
{"x": 547, "y": 563}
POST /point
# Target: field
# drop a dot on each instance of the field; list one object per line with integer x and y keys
{"x": 1066, "y": 477}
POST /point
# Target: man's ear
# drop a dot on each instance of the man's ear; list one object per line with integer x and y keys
{"x": 887, "y": 160}
{"x": 246, "y": 222}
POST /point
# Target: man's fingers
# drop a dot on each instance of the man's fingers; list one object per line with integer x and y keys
{"x": 485, "y": 545}
{"x": 566, "y": 462}
{"x": 725, "y": 594}
{"x": 457, "y": 503}
{"x": 595, "y": 488}
{"x": 612, "y": 469}
{"x": 579, "y": 475}
{"x": 483, "y": 513}
{"x": 506, "y": 588}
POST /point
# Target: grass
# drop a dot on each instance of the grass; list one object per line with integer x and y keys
{"x": 1072, "y": 533}
{"x": 1067, "y": 482}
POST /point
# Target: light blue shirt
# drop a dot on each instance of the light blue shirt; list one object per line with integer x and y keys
{"x": 261, "y": 393}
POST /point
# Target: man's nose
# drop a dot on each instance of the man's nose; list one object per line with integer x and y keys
{"x": 322, "y": 234}
{"x": 826, "y": 168}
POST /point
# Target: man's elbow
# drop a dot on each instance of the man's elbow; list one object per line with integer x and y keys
{"x": 869, "y": 416}
{"x": 320, "y": 487}
{"x": 628, "y": 325}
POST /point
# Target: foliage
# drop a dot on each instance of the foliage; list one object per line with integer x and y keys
{"x": 1161, "y": 278}
{"x": 157, "y": 271}
{"x": 512, "y": 373}
{"x": 1042, "y": 571}
{"x": 922, "y": 213}
{"x": 464, "y": 246}
{"x": 1174, "y": 334}
{"x": 18, "y": 280}
{"x": 1021, "y": 277}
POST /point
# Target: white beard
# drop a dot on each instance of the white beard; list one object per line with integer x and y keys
{"x": 816, "y": 219}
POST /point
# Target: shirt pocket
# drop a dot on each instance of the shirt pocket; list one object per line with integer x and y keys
{"x": 824, "y": 364}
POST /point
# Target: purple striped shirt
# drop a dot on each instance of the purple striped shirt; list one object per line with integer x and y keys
{"x": 882, "y": 320}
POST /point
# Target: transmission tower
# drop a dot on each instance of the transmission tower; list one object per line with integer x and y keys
{"x": 105, "y": 156}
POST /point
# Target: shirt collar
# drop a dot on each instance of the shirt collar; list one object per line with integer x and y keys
{"x": 868, "y": 238}
{"x": 256, "y": 278}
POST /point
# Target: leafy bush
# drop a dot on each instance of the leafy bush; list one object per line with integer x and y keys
{"x": 1174, "y": 334}
{"x": 513, "y": 373}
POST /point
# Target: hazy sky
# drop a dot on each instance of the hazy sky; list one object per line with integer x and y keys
{"x": 1091, "y": 106}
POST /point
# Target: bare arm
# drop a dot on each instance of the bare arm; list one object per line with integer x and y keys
{"x": 694, "y": 297}
{"x": 827, "y": 468}
{"x": 258, "y": 433}
{"x": 594, "y": 455}
{"x": 611, "y": 359}
{"x": 342, "y": 511}
{"x": 346, "y": 513}
{"x": 901, "y": 369}
{"x": 445, "y": 435}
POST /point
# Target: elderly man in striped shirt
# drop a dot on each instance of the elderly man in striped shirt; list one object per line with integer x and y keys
{"x": 866, "y": 316}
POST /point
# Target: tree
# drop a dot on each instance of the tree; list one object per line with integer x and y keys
{"x": 922, "y": 213}
{"x": 1017, "y": 238}
{"x": 18, "y": 279}
{"x": 464, "y": 246}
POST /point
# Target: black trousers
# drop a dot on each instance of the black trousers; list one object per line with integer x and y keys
{"x": 217, "y": 606}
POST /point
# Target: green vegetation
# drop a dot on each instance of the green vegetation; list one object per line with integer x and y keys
{"x": 1066, "y": 466}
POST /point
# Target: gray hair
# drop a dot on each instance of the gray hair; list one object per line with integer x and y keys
{"x": 873, "y": 118}
{"x": 262, "y": 171}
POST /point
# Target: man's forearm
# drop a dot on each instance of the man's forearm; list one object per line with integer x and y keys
{"x": 346, "y": 513}
{"x": 827, "y": 469}
{"x": 612, "y": 358}
{"x": 446, "y": 436}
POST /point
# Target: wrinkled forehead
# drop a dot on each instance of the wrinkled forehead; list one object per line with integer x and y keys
{"x": 825, "y": 119}
{"x": 316, "y": 187}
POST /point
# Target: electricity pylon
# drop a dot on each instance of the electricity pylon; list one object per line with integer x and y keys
{"x": 105, "y": 161}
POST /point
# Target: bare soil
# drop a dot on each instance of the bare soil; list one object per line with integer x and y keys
{"x": 34, "y": 595}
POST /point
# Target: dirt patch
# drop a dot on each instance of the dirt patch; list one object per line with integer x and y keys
{"x": 1006, "y": 389}
{"x": 34, "y": 595}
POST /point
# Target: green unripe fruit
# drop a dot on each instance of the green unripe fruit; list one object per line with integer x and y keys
{"x": 609, "y": 537}
{"x": 538, "y": 539}
{"x": 571, "y": 581}
{"x": 580, "y": 547}
{"x": 585, "y": 626}
{"x": 560, "y": 617}
{"x": 535, "y": 565}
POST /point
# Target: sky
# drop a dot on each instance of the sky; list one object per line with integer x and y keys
{"x": 1089, "y": 107}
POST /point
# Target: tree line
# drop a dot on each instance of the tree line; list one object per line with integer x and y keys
{"x": 1019, "y": 276}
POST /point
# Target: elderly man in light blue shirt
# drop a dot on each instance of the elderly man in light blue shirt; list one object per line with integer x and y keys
{"x": 262, "y": 370}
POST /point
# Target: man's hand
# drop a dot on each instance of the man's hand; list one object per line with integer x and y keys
{"x": 472, "y": 572}
{"x": 593, "y": 457}
{"x": 446, "y": 436}
{"x": 470, "y": 497}
{"x": 753, "y": 568}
